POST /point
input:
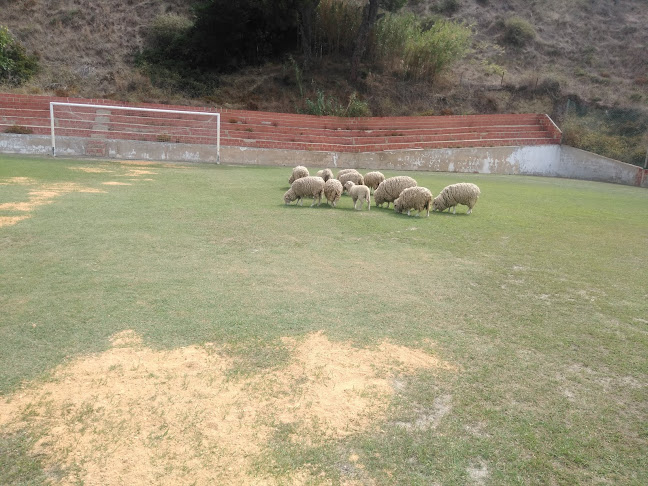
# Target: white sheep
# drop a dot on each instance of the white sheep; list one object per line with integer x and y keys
{"x": 332, "y": 191}
{"x": 325, "y": 174}
{"x": 353, "y": 176}
{"x": 358, "y": 193}
{"x": 389, "y": 189}
{"x": 297, "y": 173}
{"x": 373, "y": 179}
{"x": 344, "y": 171}
{"x": 416, "y": 197}
{"x": 310, "y": 186}
{"x": 464, "y": 193}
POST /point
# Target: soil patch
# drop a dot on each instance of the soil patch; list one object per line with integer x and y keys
{"x": 41, "y": 195}
{"x": 134, "y": 415}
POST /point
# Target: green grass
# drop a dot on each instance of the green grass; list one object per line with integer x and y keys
{"x": 539, "y": 297}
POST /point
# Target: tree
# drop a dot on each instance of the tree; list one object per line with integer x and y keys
{"x": 307, "y": 10}
{"x": 369, "y": 17}
{"x": 230, "y": 34}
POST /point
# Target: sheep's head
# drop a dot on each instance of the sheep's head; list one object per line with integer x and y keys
{"x": 437, "y": 204}
{"x": 290, "y": 196}
{"x": 348, "y": 185}
{"x": 398, "y": 207}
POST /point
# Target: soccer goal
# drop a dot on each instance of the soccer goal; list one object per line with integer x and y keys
{"x": 134, "y": 123}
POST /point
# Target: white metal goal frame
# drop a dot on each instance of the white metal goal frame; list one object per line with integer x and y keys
{"x": 130, "y": 108}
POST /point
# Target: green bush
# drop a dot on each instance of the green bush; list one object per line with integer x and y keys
{"x": 323, "y": 106}
{"x": 517, "y": 32}
{"x": 16, "y": 66}
{"x": 419, "y": 48}
{"x": 605, "y": 138}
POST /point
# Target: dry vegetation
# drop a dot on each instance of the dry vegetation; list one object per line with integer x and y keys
{"x": 594, "y": 49}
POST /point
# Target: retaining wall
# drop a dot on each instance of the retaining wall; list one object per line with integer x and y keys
{"x": 541, "y": 160}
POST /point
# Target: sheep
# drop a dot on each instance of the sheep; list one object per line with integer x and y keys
{"x": 325, "y": 174}
{"x": 389, "y": 189}
{"x": 332, "y": 191}
{"x": 297, "y": 173}
{"x": 464, "y": 193}
{"x": 373, "y": 179}
{"x": 344, "y": 171}
{"x": 353, "y": 176}
{"x": 358, "y": 193}
{"x": 310, "y": 186}
{"x": 416, "y": 197}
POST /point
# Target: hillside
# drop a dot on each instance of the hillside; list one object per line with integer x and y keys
{"x": 592, "y": 50}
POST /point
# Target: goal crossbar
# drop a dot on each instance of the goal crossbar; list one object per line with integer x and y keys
{"x": 130, "y": 108}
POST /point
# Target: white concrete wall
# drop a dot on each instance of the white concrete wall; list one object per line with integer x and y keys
{"x": 541, "y": 160}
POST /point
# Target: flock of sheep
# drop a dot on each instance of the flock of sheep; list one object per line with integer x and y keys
{"x": 403, "y": 191}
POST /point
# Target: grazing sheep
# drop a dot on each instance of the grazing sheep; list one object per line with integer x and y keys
{"x": 358, "y": 193}
{"x": 344, "y": 171}
{"x": 354, "y": 176}
{"x": 389, "y": 189}
{"x": 332, "y": 191}
{"x": 416, "y": 197}
{"x": 464, "y": 193}
{"x": 325, "y": 174}
{"x": 297, "y": 173}
{"x": 310, "y": 186}
{"x": 373, "y": 179}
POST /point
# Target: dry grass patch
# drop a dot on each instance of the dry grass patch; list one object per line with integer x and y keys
{"x": 41, "y": 195}
{"x": 134, "y": 415}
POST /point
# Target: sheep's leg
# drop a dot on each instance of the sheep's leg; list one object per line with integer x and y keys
{"x": 409, "y": 211}
{"x": 454, "y": 209}
{"x": 369, "y": 204}
{"x": 300, "y": 202}
{"x": 469, "y": 211}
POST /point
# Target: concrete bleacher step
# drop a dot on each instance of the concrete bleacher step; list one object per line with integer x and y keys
{"x": 278, "y": 130}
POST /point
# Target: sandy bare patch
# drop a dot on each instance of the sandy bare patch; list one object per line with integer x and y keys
{"x": 133, "y": 415}
{"x": 430, "y": 418}
{"x": 139, "y": 172}
{"x": 137, "y": 162}
{"x": 11, "y": 220}
{"x": 114, "y": 183}
{"x": 91, "y": 170}
{"x": 478, "y": 472}
{"x": 41, "y": 195}
{"x": 18, "y": 181}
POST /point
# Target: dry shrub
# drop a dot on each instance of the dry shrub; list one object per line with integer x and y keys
{"x": 19, "y": 129}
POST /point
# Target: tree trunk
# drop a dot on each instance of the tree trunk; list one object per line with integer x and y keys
{"x": 369, "y": 15}
{"x": 307, "y": 9}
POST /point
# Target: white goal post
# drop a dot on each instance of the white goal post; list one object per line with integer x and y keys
{"x": 135, "y": 109}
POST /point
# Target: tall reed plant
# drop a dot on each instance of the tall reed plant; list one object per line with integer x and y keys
{"x": 419, "y": 49}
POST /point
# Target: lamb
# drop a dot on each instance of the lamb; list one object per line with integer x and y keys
{"x": 389, "y": 189}
{"x": 353, "y": 176}
{"x": 416, "y": 197}
{"x": 464, "y": 193}
{"x": 310, "y": 186}
{"x": 297, "y": 173}
{"x": 373, "y": 179}
{"x": 358, "y": 193}
{"x": 325, "y": 174}
{"x": 332, "y": 191}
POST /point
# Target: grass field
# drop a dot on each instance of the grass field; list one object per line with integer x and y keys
{"x": 178, "y": 324}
